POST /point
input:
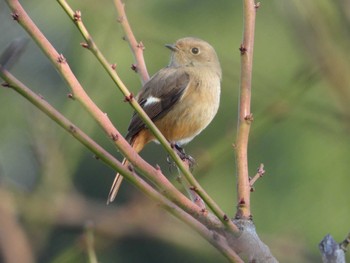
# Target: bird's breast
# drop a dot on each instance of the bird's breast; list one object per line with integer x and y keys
{"x": 194, "y": 111}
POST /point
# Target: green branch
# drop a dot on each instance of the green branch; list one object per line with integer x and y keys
{"x": 136, "y": 47}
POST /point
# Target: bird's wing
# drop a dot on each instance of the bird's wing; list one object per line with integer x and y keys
{"x": 158, "y": 96}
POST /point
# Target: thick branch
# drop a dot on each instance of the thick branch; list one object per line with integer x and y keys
{"x": 331, "y": 251}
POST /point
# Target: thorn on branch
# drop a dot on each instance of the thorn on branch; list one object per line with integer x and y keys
{"x": 77, "y": 16}
{"x": 114, "y": 66}
{"x": 243, "y": 49}
{"x": 41, "y": 96}
{"x": 252, "y": 188}
{"x": 5, "y": 84}
{"x": 70, "y": 96}
{"x": 61, "y": 59}
{"x": 96, "y": 157}
{"x": 129, "y": 98}
{"x": 249, "y": 117}
{"x": 120, "y": 19}
{"x": 226, "y": 218}
{"x": 204, "y": 211}
{"x": 140, "y": 45}
{"x": 72, "y": 129}
{"x": 130, "y": 168}
{"x": 257, "y": 5}
{"x": 114, "y": 137}
{"x": 84, "y": 45}
{"x": 193, "y": 188}
{"x": 241, "y": 202}
{"x": 134, "y": 67}
{"x": 15, "y": 16}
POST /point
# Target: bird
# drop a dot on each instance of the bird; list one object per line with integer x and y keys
{"x": 181, "y": 99}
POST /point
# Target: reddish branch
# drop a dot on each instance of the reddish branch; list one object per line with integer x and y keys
{"x": 136, "y": 47}
{"x": 245, "y": 116}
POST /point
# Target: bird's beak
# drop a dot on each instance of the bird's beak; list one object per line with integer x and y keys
{"x": 172, "y": 47}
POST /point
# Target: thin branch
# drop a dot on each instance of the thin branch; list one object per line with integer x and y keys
{"x": 137, "y": 48}
{"x": 216, "y": 240}
{"x": 245, "y": 116}
{"x": 78, "y": 134}
{"x": 80, "y": 95}
{"x": 76, "y": 18}
{"x": 260, "y": 173}
{"x": 90, "y": 240}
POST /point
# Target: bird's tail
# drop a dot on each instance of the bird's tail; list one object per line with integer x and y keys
{"x": 116, "y": 184}
{"x": 138, "y": 142}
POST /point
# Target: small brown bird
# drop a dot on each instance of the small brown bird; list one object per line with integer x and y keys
{"x": 181, "y": 99}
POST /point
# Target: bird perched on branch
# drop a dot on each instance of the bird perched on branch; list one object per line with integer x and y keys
{"x": 181, "y": 99}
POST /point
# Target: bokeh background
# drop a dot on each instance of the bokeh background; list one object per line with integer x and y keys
{"x": 53, "y": 192}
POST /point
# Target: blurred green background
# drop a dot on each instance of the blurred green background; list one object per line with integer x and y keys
{"x": 51, "y": 187}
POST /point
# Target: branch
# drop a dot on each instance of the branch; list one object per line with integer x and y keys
{"x": 60, "y": 63}
{"x": 331, "y": 251}
{"x": 136, "y": 47}
{"x": 260, "y": 173}
{"x": 76, "y": 18}
{"x": 207, "y": 225}
{"x": 216, "y": 240}
{"x": 245, "y": 117}
{"x": 89, "y": 242}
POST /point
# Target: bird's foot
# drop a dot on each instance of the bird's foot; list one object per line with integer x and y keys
{"x": 184, "y": 157}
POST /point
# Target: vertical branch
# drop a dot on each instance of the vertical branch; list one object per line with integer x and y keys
{"x": 136, "y": 47}
{"x": 245, "y": 116}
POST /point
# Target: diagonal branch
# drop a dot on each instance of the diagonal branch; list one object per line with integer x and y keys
{"x": 216, "y": 240}
{"x": 136, "y": 47}
{"x": 153, "y": 174}
{"x": 76, "y": 18}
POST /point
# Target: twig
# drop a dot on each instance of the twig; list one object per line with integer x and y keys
{"x": 136, "y": 47}
{"x": 89, "y": 239}
{"x": 76, "y": 17}
{"x": 245, "y": 116}
{"x": 260, "y": 173}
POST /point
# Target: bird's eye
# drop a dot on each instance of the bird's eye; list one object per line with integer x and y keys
{"x": 195, "y": 51}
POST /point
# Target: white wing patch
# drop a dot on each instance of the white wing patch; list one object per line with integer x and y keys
{"x": 151, "y": 100}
